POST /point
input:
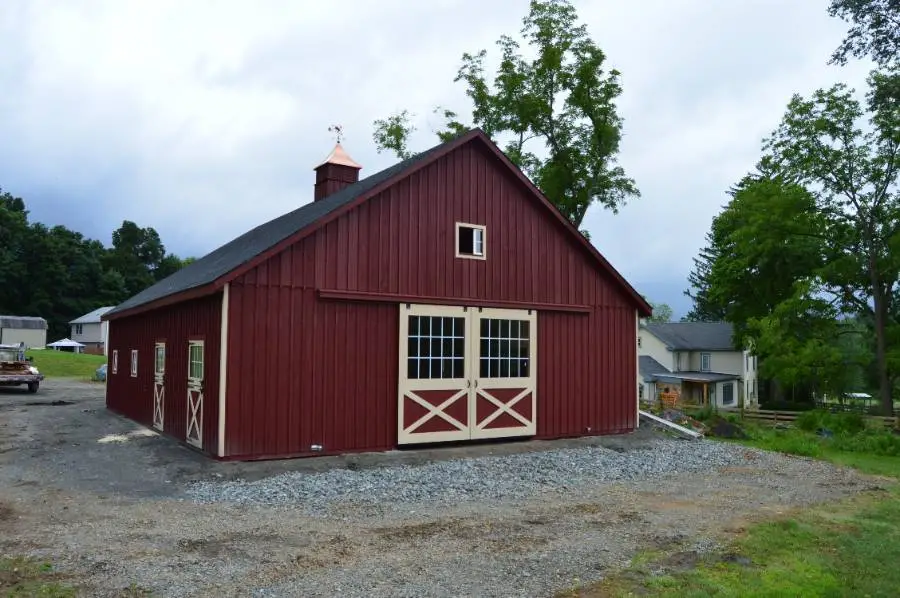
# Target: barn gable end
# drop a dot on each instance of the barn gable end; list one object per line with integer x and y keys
{"x": 318, "y": 321}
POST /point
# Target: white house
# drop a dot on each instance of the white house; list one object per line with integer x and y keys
{"x": 695, "y": 362}
{"x": 90, "y": 331}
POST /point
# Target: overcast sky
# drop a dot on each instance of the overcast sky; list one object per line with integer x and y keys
{"x": 203, "y": 119}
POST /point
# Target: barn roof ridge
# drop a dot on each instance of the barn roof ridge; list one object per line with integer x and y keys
{"x": 210, "y": 272}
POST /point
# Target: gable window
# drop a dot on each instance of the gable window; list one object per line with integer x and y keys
{"x": 134, "y": 356}
{"x": 705, "y": 358}
{"x": 470, "y": 241}
{"x": 78, "y": 329}
{"x": 115, "y": 361}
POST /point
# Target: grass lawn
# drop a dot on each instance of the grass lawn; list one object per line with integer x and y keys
{"x": 61, "y": 364}
{"x": 848, "y": 548}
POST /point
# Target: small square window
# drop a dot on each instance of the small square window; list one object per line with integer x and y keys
{"x": 470, "y": 241}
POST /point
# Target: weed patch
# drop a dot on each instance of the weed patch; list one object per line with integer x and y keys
{"x": 22, "y": 577}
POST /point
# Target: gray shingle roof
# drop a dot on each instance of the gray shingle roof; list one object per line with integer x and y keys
{"x": 91, "y": 317}
{"x": 694, "y": 336}
{"x": 648, "y": 367}
{"x": 265, "y": 236}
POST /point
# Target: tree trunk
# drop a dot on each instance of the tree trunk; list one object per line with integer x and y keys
{"x": 884, "y": 382}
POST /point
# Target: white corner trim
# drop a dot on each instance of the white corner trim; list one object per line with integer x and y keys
{"x": 637, "y": 367}
{"x": 223, "y": 364}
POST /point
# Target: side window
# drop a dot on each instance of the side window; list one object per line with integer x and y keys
{"x": 134, "y": 363}
{"x": 705, "y": 358}
{"x": 115, "y": 361}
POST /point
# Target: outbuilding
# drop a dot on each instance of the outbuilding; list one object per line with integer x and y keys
{"x": 31, "y": 330}
{"x": 441, "y": 299}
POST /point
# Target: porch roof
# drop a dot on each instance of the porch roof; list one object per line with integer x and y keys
{"x": 696, "y": 376}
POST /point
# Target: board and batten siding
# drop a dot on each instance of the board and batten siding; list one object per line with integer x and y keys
{"x": 175, "y": 325}
{"x": 312, "y": 358}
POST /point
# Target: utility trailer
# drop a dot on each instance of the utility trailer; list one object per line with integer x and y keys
{"x": 16, "y": 369}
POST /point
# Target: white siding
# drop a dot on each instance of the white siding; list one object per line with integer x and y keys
{"x": 655, "y": 348}
{"x": 33, "y": 339}
{"x": 90, "y": 333}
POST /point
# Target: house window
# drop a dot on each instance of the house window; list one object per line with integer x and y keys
{"x": 728, "y": 393}
{"x": 134, "y": 356}
{"x": 115, "y": 361}
{"x": 78, "y": 329}
{"x": 705, "y": 358}
{"x": 753, "y": 388}
{"x": 470, "y": 241}
{"x": 640, "y": 392}
{"x": 748, "y": 361}
{"x": 639, "y": 342}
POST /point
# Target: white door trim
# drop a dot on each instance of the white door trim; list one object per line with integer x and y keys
{"x": 159, "y": 386}
{"x": 501, "y": 394}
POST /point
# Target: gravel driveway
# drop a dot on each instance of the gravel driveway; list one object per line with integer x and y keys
{"x": 114, "y": 504}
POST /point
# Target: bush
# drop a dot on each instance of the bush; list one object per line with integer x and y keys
{"x": 879, "y": 442}
{"x": 838, "y": 423}
{"x": 787, "y": 406}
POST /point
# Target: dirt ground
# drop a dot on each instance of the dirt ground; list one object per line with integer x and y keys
{"x": 103, "y": 499}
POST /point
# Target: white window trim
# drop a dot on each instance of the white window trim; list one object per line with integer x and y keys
{"x": 134, "y": 363}
{"x": 708, "y": 357}
{"x": 115, "y": 361}
{"x": 483, "y": 229}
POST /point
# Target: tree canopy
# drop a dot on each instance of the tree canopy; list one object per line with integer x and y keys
{"x": 58, "y": 274}
{"x": 555, "y": 111}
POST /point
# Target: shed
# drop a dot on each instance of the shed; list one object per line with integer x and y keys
{"x": 443, "y": 299}
{"x": 31, "y": 330}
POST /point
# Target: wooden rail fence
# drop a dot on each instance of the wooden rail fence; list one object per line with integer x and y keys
{"x": 765, "y": 416}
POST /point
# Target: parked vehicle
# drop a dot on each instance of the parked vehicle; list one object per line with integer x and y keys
{"x": 16, "y": 369}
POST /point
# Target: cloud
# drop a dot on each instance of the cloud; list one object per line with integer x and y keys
{"x": 203, "y": 119}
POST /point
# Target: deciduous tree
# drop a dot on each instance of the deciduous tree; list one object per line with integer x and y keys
{"x": 556, "y": 111}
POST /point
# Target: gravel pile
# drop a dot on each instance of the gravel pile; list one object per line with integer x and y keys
{"x": 484, "y": 478}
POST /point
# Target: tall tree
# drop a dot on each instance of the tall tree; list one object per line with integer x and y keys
{"x": 853, "y": 175}
{"x": 560, "y": 102}
{"x": 874, "y": 31}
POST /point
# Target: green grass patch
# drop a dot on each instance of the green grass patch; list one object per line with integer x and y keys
{"x": 848, "y": 548}
{"x": 62, "y": 364}
{"x": 29, "y": 578}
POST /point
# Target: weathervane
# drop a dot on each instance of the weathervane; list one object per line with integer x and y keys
{"x": 338, "y": 131}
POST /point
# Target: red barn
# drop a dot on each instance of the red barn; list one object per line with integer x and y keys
{"x": 441, "y": 299}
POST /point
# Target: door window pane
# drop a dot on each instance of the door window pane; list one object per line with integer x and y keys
{"x": 504, "y": 348}
{"x": 436, "y": 347}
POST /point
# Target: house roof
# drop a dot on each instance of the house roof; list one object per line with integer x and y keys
{"x": 694, "y": 336}
{"x": 23, "y": 322}
{"x": 696, "y": 376}
{"x": 227, "y": 262}
{"x": 92, "y": 317}
{"x": 648, "y": 367}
